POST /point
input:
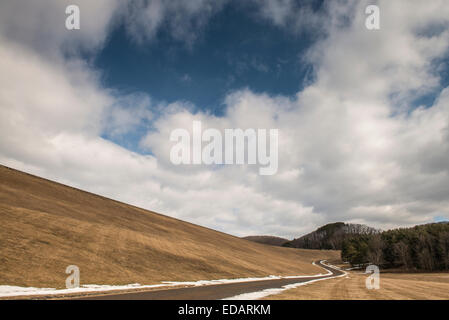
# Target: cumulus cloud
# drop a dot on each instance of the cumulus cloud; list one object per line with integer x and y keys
{"x": 352, "y": 146}
{"x": 127, "y": 113}
{"x": 314, "y": 18}
{"x": 183, "y": 20}
{"x": 40, "y": 25}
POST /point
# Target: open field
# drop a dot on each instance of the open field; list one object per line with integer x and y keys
{"x": 393, "y": 286}
{"x": 46, "y": 226}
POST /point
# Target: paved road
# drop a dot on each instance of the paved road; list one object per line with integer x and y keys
{"x": 211, "y": 292}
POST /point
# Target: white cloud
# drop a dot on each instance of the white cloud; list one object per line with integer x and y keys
{"x": 128, "y": 113}
{"x": 40, "y": 24}
{"x": 351, "y": 147}
{"x": 182, "y": 19}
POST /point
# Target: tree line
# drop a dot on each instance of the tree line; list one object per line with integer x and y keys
{"x": 424, "y": 247}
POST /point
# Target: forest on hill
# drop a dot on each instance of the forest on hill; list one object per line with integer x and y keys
{"x": 423, "y": 247}
{"x": 330, "y": 236}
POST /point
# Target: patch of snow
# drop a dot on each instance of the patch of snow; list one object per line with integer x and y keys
{"x": 268, "y": 292}
{"x": 14, "y": 291}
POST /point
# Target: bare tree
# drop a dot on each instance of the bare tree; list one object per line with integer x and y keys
{"x": 402, "y": 253}
{"x": 375, "y": 254}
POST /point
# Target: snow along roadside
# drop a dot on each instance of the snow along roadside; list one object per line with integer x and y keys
{"x": 268, "y": 292}
{"x": 14, "y": 291}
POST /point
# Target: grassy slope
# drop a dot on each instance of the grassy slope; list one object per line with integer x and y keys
{"x": 46, "y": 226}
{"x": 393, "y": 286}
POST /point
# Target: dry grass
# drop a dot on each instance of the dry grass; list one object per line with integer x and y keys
{"x": 47, "y": 226}
{"x": 393, "y": 286}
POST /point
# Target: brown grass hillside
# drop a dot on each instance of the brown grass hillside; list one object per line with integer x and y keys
{"x": 46, "y": 226}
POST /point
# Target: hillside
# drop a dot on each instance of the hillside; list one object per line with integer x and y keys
{"x": 270, "y": 240}
{"x": 330, "y": 236}
{"x": 46, "y": 226}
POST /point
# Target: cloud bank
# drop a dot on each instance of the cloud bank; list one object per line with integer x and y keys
{"x": 353, "y": 146}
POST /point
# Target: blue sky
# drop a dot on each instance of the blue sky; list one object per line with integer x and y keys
{"x": 440, "y": 219}
{"x": 235, "y": 50}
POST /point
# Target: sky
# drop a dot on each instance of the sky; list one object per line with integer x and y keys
{"x": 363, "y": 115}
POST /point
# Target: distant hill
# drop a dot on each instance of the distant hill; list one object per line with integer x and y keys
{"x": 270, "y": 240}
{"x": 330, "y": 236}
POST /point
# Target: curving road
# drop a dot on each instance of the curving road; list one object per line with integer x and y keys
{"x": 212, "y": 292}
